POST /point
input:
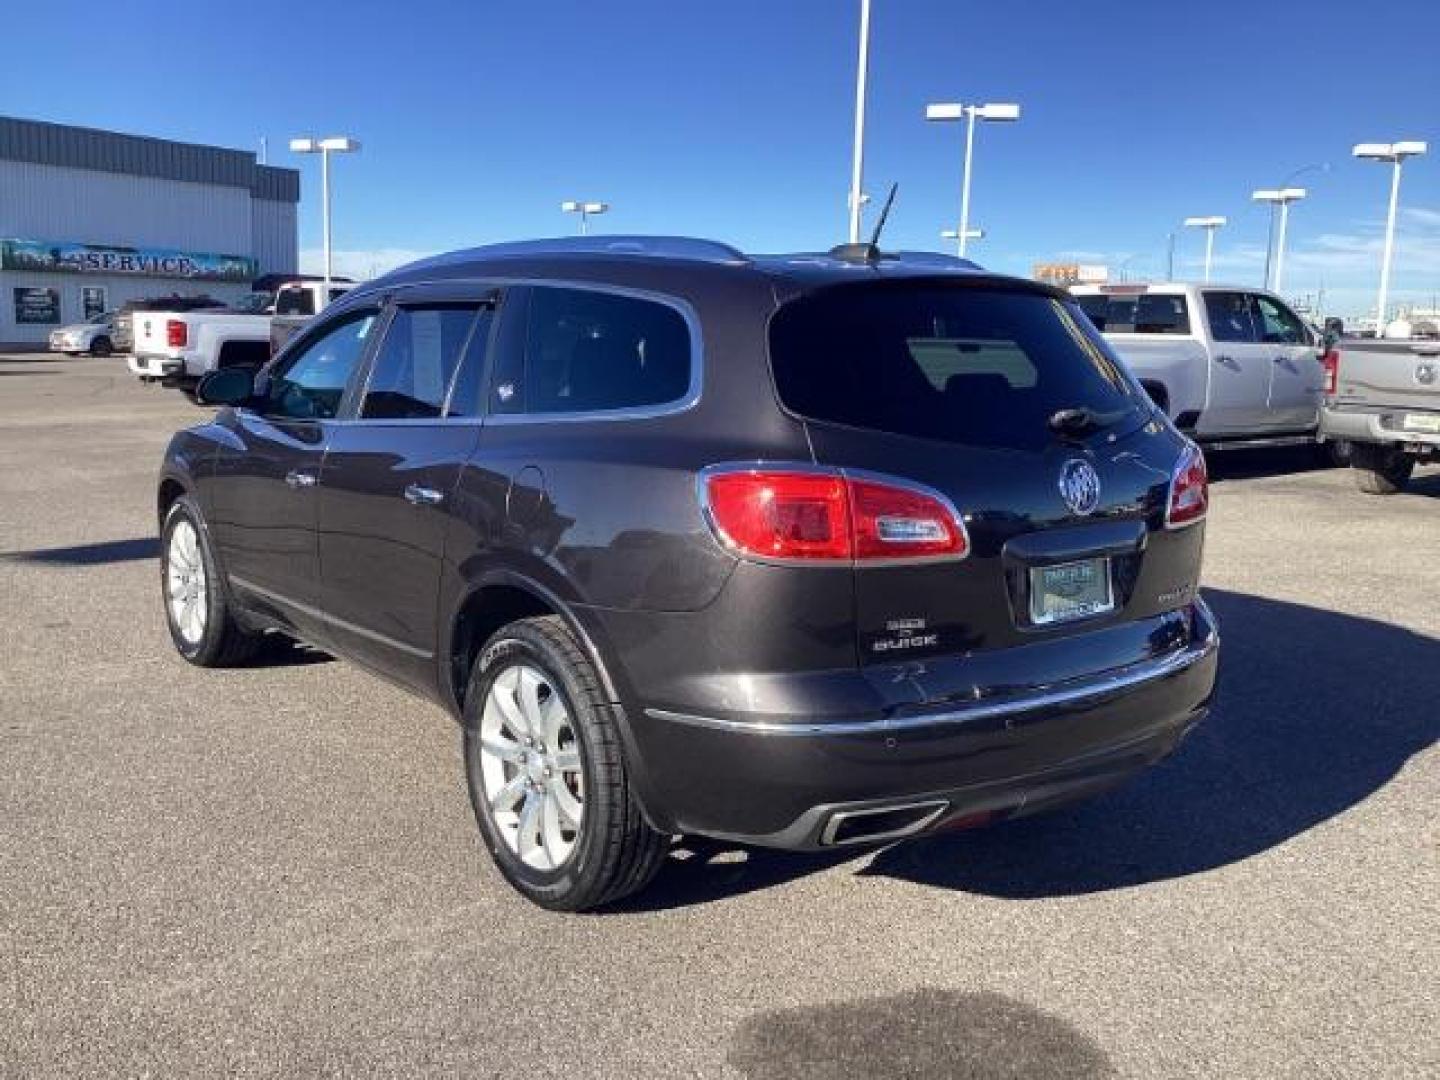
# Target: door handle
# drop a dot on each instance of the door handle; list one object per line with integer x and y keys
{"x": 419, "y": 495}
{"x": 297, "y": 479}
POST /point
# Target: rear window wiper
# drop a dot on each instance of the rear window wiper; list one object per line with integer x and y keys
{"x": 1079, "y": 420}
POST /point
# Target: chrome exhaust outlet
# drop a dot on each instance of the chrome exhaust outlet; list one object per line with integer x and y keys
{"x": 877, "y": 823}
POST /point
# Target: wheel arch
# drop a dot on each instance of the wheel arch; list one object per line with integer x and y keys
{"x": 501, "y": 596}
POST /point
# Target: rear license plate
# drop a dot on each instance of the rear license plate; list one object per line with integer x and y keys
{"x": 1422, "y": 422}
{"x": 1072, "y": 590}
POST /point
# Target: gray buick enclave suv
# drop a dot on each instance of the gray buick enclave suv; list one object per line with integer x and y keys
{"x": 796, "y": 550}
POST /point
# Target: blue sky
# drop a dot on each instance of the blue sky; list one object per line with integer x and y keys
{"x": 732, "y": 119}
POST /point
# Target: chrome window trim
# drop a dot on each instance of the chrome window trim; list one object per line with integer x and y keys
{"x": 683, "y": 307}
{"x": 703, "y": 495}
{"x": 1075, "y": 692}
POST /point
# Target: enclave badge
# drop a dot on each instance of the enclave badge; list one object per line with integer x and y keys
{"x": 1080, "y": 486}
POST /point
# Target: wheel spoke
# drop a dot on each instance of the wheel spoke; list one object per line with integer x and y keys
{"x": 503, "y": 695}
{"x": 502, "y": 748}
{"x": 529, "y": 697}
{"x": 566, "y": 804}
{"x": 552, "y": 837}
{"x": 567, "y": 760}
{"x": 509, "y": 795}
{"x": 527, "y": 838}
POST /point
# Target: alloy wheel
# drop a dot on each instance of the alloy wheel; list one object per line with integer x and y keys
{"x": 185, "y": 582}
{"x": 531, "y": 767}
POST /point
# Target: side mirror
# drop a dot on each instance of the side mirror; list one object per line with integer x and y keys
{"x": 228, "y": 386}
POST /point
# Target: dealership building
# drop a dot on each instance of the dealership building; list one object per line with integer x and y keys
{"x": 91, "y": 219}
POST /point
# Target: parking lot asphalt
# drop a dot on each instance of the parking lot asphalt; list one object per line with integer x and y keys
{"x": 274, "y": 870}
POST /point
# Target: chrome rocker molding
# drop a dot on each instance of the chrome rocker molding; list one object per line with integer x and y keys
{"x": 1077, "y": 692}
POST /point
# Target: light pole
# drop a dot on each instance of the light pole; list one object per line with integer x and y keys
{"x": 944, "y": 111}
{"x": 954, "y": 234}
{"x": 1209, "y": 224}
{"x": 1281, "y": 197}
{"x": 584, "y": 209}
{"x": 334, "y": 144}
{"x": 857, "y": 162}
{"x": 1394, "y": 154}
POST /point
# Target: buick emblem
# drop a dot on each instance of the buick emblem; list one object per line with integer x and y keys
{"x": 1080, "y": 486}
{"x": 1424, "y": 374}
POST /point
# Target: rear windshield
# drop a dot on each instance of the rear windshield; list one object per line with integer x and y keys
{"x": 1145, "y": 313}
{"x": 294, "y": 302}
{"x": 978, "y": 366}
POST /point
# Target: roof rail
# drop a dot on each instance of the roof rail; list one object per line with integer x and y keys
{"x": 675, "y": 247}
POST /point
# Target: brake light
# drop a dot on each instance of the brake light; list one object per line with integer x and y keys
{"x": 817, "y": 515}
{"x": 1331, "y": 363}
{"x": 1189, "y": 499}
{"x": 176, "y": 333}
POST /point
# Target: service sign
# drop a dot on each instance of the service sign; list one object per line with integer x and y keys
{"x": 50, "y": 256}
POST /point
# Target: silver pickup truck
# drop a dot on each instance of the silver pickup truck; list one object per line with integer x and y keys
{"x": 1382, "y": 401}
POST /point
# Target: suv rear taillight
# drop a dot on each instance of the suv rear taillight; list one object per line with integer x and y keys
{"x": 1331, "y": 363}
{"x": 821, "y": 515}
{"x": 1189, "y": 498}
{"x": 176, "y": 333}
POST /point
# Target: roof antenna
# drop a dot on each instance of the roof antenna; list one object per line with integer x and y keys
{"x": 868, "y": 253}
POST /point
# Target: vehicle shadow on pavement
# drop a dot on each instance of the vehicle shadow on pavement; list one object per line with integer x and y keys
{"x": 108, "y": 551}
{"x": 1315, "y": 711}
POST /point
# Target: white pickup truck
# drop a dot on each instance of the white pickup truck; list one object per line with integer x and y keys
{"x": 1231, "y": 366}
{"x": 178, "y": 348}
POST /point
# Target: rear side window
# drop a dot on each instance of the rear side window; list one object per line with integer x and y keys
{"x": 1144, "y": 313}
{"x": 978, "y": 366}
{"x": 594, "y": 351}
{"x": 416, "y": 364}
{"x": 294, "y": 302}
{"x": 1231, "y": 315}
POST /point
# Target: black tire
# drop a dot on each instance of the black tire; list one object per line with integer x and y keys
{"x": 223, "y": 642}
{"x": 101, "y": 347}
{"x": 1380, "y": 470}
{"x": 615, "y": 851}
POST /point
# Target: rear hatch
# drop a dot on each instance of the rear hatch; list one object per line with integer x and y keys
{"x": 1002, "y": 398}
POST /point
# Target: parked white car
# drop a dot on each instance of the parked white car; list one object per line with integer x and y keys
{"x": 96, "y": 336}
{"x": 179, "y": 348}
{"x": 1229, "y": 365}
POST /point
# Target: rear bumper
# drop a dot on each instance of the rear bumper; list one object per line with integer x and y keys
{"x": 798, "y": 784}
{"x": 1377, "y": 426}
{"x": 154, "y": 367}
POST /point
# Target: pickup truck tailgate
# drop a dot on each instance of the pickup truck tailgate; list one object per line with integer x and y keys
{"x": 150, "y": 334}
{"x": 1394, "y": 374}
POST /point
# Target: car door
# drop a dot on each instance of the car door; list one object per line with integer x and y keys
{"x": 1239, "y": 367}
{"x": 389, "y": 475}
{"x": 1295, "y": 372}
{"x": 263, "y": 486}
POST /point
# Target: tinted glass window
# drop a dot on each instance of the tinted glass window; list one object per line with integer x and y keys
{"x": 412, "y": 373}
{"x": 465, "y": 394}
{"x": 310, "y": 384}
{"x": 1231, "y": 316}
{"x": 507, "y": 384}
{"x": 294, "y": 302}
{"x": 590, "y": 351}
{"x": 1146, "y": 313}
{"x": 977, "y": 366}
{"x": 1278, "y": 324}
